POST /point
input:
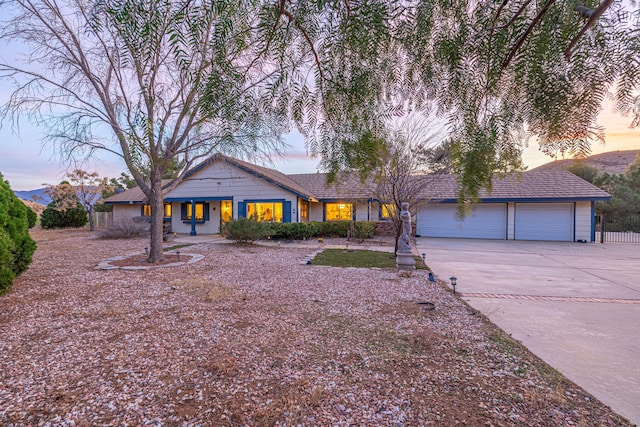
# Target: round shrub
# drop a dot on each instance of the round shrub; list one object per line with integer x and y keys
{"x": 52, "y": 217}
{"x": 246, "y": 230}
{"x": 16, "y": 245}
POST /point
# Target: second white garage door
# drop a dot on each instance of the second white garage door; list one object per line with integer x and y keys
{"x": 488, "y": 221}
{"x": 544, "y": 221}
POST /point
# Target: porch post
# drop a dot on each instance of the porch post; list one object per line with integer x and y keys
{"x": 193, "y": 219}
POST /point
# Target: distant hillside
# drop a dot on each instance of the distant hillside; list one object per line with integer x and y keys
{"x": 612, "y": 162}
{"x": 36, "y": 207}
{"x": 38, "y": 196}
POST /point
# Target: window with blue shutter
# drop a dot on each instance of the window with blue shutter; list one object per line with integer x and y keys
{"x": 202, "y": 212}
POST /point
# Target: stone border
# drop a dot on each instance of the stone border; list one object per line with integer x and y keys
{"x": 307, "y": 260}
{"x": 105, "y": 264}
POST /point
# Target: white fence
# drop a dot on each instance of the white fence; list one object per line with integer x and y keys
{"x": 102, "y": 219}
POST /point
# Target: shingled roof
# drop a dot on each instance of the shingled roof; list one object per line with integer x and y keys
{"x": 525, "y": 186}
{"x": 133, "y": 195}
{"x": 534, "y": 185}
{"x": 347, "y": 187}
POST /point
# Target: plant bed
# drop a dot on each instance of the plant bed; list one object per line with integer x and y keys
{"x": 249, "y": 336}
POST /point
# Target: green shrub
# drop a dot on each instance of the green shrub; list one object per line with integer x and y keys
{"x": 7, "y": 248}
{"x": 32, "y": 217}
{"x": 362, "y": 229}
{"x": 333, "y": 228}
{"x": 53, "y": 218}
{"x": 350, "y": 229}
{"x": 16, "y": 246}
{"x": 294, "y": 230}
{"x": 245, "y": 230}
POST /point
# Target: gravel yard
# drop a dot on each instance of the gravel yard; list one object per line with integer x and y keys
{"x": 250, "y": 336}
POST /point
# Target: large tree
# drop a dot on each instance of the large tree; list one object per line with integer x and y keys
{"x": 179, "y": 79}
{"x": 171, "y": 81}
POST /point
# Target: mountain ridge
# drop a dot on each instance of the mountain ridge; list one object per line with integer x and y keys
{"x": 38, "y": 195}
{"x": 611, "y": 162}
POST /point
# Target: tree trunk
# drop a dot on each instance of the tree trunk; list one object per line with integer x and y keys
{"x": 397, "y": 225}
{"x": 92, "y": 225}
{"x": 156, "y": 202}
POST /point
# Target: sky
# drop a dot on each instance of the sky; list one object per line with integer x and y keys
{"x": 27, "y": 164}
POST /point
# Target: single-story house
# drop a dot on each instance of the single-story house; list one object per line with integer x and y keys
{"x": 545, "y": 205}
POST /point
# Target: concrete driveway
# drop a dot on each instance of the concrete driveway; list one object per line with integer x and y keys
{"x": 575, "y": 305}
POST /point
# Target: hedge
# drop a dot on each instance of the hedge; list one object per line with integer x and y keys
{"x": 16, "y": 245}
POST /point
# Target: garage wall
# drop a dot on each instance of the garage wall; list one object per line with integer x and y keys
{"x": 583, "y": 221}
{"x": 511, "y": 211}
{"x": 544, "y": 221}
{"x": 563, "y": 221}
{"x": 485, "y": 221}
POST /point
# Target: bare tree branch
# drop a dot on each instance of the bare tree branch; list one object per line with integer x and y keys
{"x": 592, "y": 17}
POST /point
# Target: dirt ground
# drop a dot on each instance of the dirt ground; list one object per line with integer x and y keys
{"x": 250, "y": 336}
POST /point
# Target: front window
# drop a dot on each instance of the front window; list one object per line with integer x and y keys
{"x": 304, "y": 211}
{"x": 387, "y": 210}
{"x": 226, "y": 210}
{"x": 146, "y": 210}
{"x": 202, "y": 211}
{"x": 199, "y": 211}
{"x": 265, "y": 211}
{"x": 339, "y": 211}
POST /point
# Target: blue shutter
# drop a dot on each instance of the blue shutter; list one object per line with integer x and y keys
{"x": 183, "y": 211}
{"x": 286, "y": 211}
{"x": 206, "y": 211}
{"x": 242, "y": 210}
{"x": 354, "y": 211}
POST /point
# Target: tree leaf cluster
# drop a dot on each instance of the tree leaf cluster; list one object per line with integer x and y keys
{"x": 624, "y": 188}
{"x": 16, "y": 245}
{"x": 82, "y": 190}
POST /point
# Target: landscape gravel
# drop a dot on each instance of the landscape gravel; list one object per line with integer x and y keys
{"x": 251, "y": 336}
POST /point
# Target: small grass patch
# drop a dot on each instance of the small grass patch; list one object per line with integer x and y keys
{"x": 356, "y": 258}
{"x": 360, "y": 258}
{"x": 174, "y": 247}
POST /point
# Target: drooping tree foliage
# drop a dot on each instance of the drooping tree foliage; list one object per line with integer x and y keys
{"x": 176, "y": 80}
{"x": 16, "y": 245}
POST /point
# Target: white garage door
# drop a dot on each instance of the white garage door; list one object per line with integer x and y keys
{"x": 485, "y": 221}
{"x": 544, "y": 221}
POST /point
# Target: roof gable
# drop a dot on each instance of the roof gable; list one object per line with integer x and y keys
{"x": 270, "y": 175}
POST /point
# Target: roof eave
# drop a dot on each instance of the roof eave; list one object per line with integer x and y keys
{"x": 529, "y": 199}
